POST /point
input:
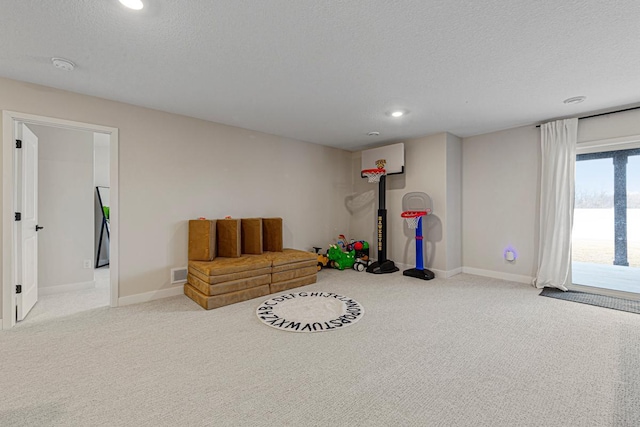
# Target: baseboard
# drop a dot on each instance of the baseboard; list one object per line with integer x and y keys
{"x": 50, "y": 290}
{"x": 150, "y": 296}
{"x": 498, "y": 275}
{"x": 445, "y": 274}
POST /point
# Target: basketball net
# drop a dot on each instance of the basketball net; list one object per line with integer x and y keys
{"x": 373, "y": 175}
{"x": 412, "y": 223}
{"x": 412, "y": 218}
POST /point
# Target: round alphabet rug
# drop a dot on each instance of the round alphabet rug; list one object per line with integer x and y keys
{"x": 310, "y": 312}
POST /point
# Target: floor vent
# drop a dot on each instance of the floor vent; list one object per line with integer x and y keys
{"x": 179, "y": 275}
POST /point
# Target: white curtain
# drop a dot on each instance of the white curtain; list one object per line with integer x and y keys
{"x": 558, "y": 142}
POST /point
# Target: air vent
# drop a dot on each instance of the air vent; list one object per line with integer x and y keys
{"x": 179, "y": 275}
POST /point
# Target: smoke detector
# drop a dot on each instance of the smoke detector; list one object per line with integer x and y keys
{"x": 63, "y": 64}
{"x": 373, "y": 133}
{"x": 575, "y": 100}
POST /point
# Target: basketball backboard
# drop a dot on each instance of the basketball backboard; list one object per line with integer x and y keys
{"x": 393, "y": 156}
{"x": 416, "y": 201}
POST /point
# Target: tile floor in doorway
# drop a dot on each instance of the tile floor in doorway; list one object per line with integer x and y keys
{"x": 66, "y": 304}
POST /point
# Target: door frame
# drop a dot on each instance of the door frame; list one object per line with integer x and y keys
{"x": 9, "y": 118}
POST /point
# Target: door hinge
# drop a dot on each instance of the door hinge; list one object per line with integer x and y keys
{"x": 18, "y": 143}
{"x": 18, "y": 216}
{"x": 18, "y": 289}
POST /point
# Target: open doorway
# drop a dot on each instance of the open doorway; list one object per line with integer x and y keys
{"x": 71, "y": 165}
{"x": 70, "y": 161}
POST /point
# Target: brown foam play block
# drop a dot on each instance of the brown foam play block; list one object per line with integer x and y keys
{"x": 295, "y": 266}
{"x": 290, "y": 256}
{"x": 202, "y": 239}
{"x": 228, "y": 236}
{"x": 285, "y": 276}
{"x": 222, "y": 266}
{"x": 251, "y": 235}
{"x": 272, "y": 234}
{"x": 209, "y": 302}
{"x": 293, "y": 283}
{"x": 224, "y": 288}
{"x": 222, "y": 278}
{"x": 290, "y": 259}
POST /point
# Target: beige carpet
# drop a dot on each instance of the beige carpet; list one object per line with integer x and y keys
{"x": 467, "y": 351}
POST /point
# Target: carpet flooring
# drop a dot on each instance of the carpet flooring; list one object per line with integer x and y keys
{"x": 464, "y": 351}
{"x": 593, "y": 299}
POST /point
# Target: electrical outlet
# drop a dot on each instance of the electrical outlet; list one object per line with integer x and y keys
{"x": 86, "y": 263}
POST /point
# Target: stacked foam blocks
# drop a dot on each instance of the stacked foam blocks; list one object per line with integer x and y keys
{"x": 233, "y": 260}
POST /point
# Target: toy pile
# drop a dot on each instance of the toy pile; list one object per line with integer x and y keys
{"x": 343, "y": 254}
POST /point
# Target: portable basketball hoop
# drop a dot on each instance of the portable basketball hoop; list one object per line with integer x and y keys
{"x": 414, "y": 222}
{"x": 374, "y": 175}
{"x": 376, "y": 162}
{"x": 412, "y": 217}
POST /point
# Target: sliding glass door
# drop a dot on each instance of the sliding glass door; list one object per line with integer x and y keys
{"x": 606, "y": 231}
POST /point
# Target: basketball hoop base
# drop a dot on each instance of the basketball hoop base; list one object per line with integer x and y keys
{"x": 385, "y": 267}
{"x": 419, "y": 274}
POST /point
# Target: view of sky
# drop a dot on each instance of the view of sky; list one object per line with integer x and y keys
{"x": 597, "y": 175}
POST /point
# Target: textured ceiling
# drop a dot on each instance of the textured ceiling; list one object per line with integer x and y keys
{"x": 329, "y": 71}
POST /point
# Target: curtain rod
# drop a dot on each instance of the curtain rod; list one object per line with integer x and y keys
{"x": 604, "y": 114}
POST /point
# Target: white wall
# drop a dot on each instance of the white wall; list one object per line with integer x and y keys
{"x": 500, "y": 200}
{"x": 429, "y": 161}
{"x": 65, "y": 205}
{"x": 501, "y": 174}
{"x": 425, "y": 171}
{"x": 454, "y": 203}
{"x": 175, "y": 168}
{"x": 101, "y": 159}
{"x": 610, "y": 126}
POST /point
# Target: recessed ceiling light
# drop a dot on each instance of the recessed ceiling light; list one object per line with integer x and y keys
{"x": 397, "y": 114}
{"x": 133, "y": 4}
{"x": 63, "y": 64}
{"x": 575, "y": 100}
{"x": 373, "y": 133}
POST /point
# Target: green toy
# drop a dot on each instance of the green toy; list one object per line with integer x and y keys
{"x": 339, "y": 259}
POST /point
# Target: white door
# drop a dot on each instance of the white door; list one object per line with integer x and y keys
{"x": 26, "y": 228}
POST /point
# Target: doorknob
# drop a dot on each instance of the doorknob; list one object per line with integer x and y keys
{"x": 38, "y": 228}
